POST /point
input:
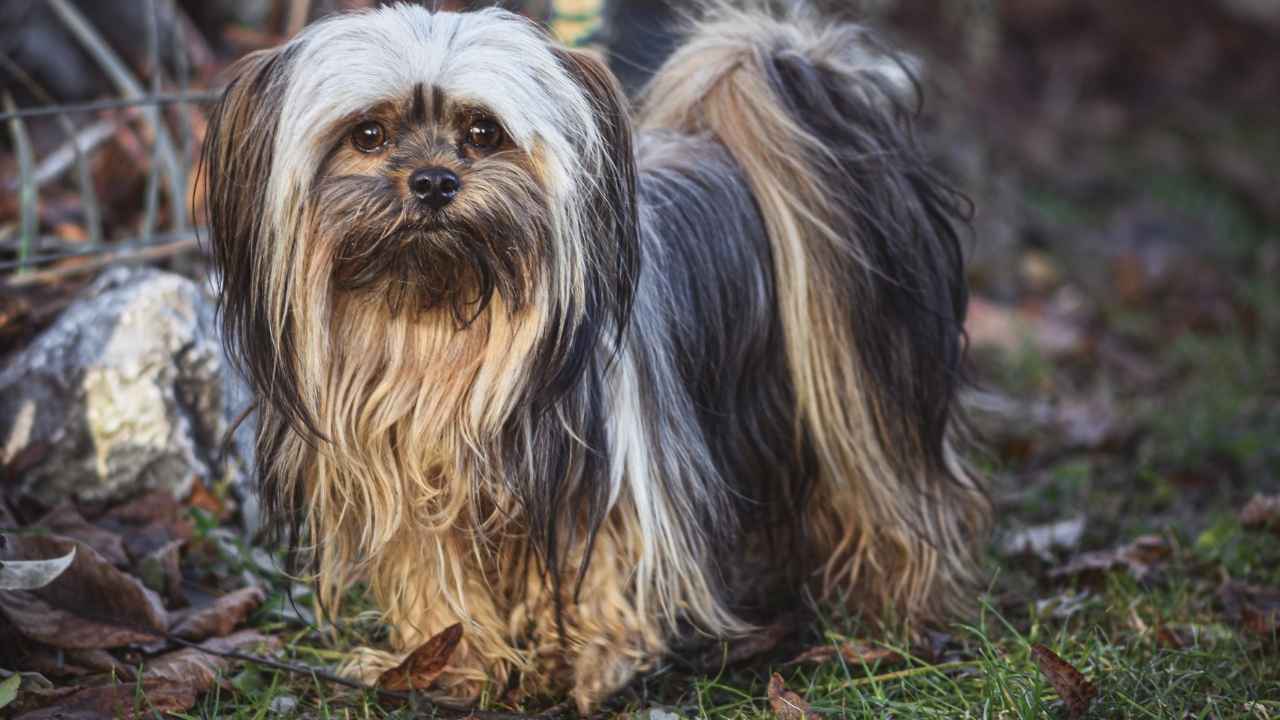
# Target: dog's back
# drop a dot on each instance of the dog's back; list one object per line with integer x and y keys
{"x": 830, "y": 355}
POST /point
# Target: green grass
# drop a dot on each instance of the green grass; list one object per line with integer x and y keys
{"x": 984, "y": 668}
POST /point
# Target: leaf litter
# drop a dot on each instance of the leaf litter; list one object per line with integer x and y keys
{"x": 85, "y": 598}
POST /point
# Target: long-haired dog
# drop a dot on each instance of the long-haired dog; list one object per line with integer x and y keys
{"x": 595, "y": 383}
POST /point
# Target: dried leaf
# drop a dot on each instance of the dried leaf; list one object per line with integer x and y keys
{"x": 160, "y": 571}
{"x": 220, "y": 617}
{"x": 170, "y": 684}
{"x": 90, "y": 605}
{"x": 198, "y": 669}
{"x": 1138, "y": 557}
{"x": 739, "y": 650}
{"x": 66, "y": 520}
{"x": 1167, "y": 638}
{"x": 1071, "y": 685}
{"x": 1262, "y": 513}
{"x": 853, "y": 653}
{"x": 205, "y": 500}
{"x": 126, "y": 701}
{"x": 44, "y": 623}
{"x": 786, "y": 704}
{"x": 32, "y": 574}
{"x": 148, "y": 522}
{"x": 425, "y": 664}
{"x": 1256, "y": 609}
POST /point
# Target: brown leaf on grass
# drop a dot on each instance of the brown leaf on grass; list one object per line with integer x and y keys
{"x": 90, "y": 605}
{"x": 425, "y": 664}
{"x": 169, "y": 684}
{"x": 125, "y": 701}
{"x": 1071, "y": 685}
{"x": 198, "y": 669}
{"x": 852, "y": 651}
{"x": 786, "y": 704}
{"x": 220, "y": 617}
{"x": 1262, "y": 512}
{"x": 1138, "y": 557}
{"x": 1256, "y": 609}
{"x": 739, "y": 650}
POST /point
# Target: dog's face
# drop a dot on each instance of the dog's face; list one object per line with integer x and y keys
{"x": 399, "y": 160}
{"x": 428, "y": 200}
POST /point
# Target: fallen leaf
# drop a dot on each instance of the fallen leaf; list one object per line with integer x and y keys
{"x": 90, "y": 605}
{"x": 221, "y": 616}
{"x": 42, "y": 622}
{"x": 1138, "y": 557}
{"x": 1262, "y": 513}
{"x": 786, "y": 704}
{"x": 149, "y": 522}
{"x": 169, "y": 684}
{"x": 199, "y": 669}
{"x": 124, "y": 701}
{"x": 1256, "y": 609}
{"x": 1071, "y": 685}
{"x": 205, "y": 500}
{"x": 32, "y": 574}
{"x": 425, "y": 664}
{"x": 1167, "y": 638}
{"x": 737, "y": 650}
{"x": 853, "y": 653}
{"x": 160, "y": 571}
{"x": 66, "y": 520}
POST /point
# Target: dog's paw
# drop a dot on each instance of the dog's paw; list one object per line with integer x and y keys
{"x": 367, "y": 664}
{"x": 600, "y": 671}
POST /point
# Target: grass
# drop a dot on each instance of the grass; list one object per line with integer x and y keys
{"x": 1110, "y": 632}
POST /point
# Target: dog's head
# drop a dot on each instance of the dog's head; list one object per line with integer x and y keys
{"x": 424, "y": 162}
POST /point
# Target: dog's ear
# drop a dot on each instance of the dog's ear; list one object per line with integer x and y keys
{"x": 611, "y": 192}
{"x": 237, "y": 160}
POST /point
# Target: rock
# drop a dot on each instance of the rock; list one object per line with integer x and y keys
{"x": 128, "y": 390}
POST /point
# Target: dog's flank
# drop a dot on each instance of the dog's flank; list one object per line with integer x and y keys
{"x": 582, "y": 391}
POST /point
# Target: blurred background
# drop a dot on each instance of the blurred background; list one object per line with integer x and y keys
{"x": 1124, "y": 258}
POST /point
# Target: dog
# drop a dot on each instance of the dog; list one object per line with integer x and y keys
{"x": 595, "y": 381}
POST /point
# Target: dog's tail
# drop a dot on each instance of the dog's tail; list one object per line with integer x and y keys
{"x": 870, "y": 289}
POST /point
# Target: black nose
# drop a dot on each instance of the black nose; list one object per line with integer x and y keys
{"x": 435, "y": 186}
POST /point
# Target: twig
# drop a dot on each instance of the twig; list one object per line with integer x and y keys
{"x": 81, "y": 142}
{"x": 26, "y": 185}
{"x": 406, "y": 697}
{"x": 207, "y": 96}
{"x": 188, "y": 243}
{"x": 127, "y": 84}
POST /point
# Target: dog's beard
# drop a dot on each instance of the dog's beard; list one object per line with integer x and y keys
{"x": 414, "y": 259}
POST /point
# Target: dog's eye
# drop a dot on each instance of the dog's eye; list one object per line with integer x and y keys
{"x": 484, "y": 134}
{"x": 368, "y": 137}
